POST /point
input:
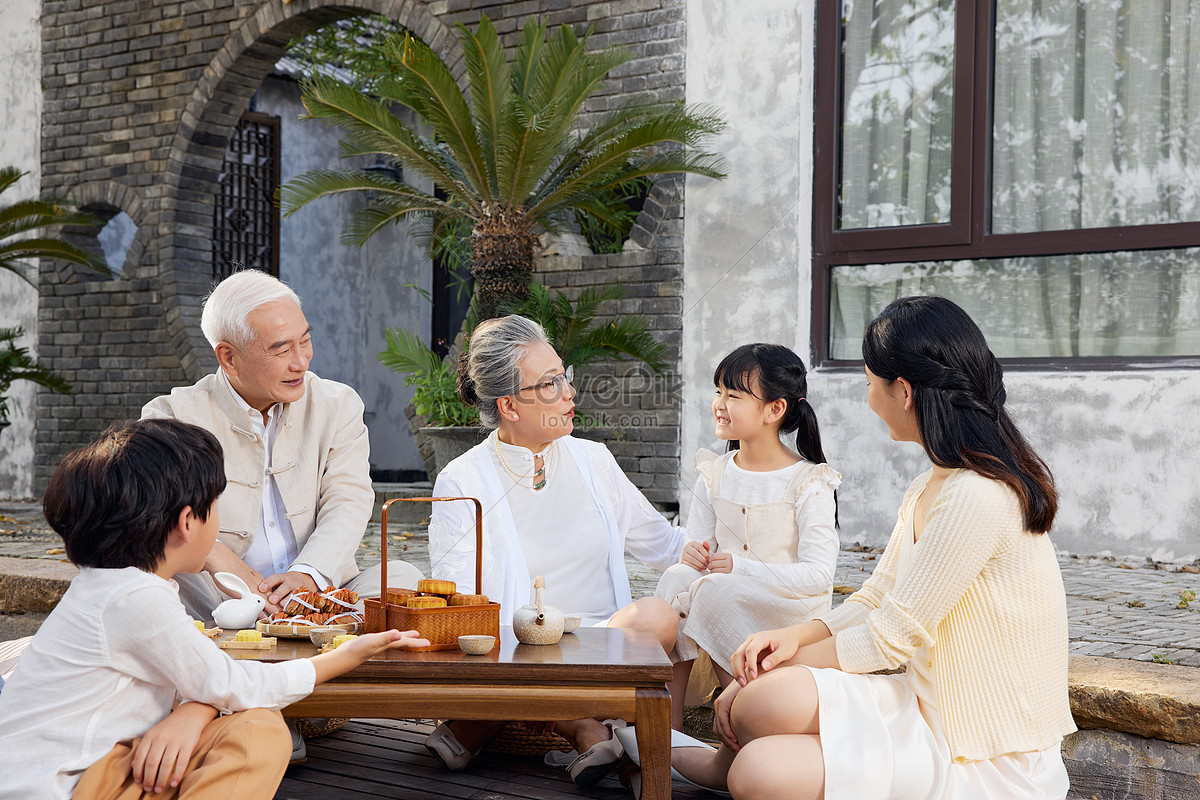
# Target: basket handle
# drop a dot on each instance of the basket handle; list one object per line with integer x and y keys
{"x": 383, "y": 537}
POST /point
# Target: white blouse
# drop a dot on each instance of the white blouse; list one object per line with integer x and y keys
{"x": 568, "y": 548}
{"x": 608, "y": 498}
{"x": 106, "y": 666}
{"x": 816, "y": 553}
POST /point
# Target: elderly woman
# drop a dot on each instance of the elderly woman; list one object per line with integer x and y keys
{"x": 555, "y": 506}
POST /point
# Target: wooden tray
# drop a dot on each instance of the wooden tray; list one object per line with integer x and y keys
{"x": 289, "y": 630}
{"x": 441, "y": 626}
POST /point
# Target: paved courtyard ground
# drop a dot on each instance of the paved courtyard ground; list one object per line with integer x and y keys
{"x": 1116, "y": 609}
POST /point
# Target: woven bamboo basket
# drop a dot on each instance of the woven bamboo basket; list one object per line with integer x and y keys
{"x": 516, "y": 740}
{"x": 441, "y": 626}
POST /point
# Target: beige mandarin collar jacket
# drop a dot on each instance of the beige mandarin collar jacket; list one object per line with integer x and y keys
{"x": 320, "y": 463}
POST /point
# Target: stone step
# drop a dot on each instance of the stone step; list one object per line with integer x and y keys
{"x": 33, "y": 584}
{"x": 407, "y": 513}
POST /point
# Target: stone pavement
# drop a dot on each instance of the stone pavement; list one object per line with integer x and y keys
{"x": 1116, "y": 609}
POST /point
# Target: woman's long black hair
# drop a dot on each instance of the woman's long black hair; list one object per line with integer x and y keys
{"x": 772, "y": 372}
{"x": 958, "y": 390}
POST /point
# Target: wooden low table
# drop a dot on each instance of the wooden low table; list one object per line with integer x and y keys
{"x": 594, "y": 672}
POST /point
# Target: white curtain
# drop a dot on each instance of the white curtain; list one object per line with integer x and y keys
{"x": 898, "y": 72}
{"x": 1096, "y": 124}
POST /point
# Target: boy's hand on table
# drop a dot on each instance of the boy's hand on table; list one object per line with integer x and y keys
{"x": 356, "y": 651}
{"x": 160, "y": 758}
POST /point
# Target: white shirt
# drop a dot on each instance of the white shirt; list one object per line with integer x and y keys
{"x": 105, "y": 667}
{"x": 817, "y": 549}
{"x": 274, "y": 548}
{"x": 562, "y": 535}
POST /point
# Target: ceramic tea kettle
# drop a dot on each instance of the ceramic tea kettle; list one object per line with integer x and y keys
{"x": 538, "y": 623}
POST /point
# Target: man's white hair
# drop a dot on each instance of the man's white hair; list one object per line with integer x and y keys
{"x": 226, "y": 309}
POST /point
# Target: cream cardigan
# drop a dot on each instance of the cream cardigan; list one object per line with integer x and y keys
{"x": 987, "y": 597}
{"x": 320, "y": 463}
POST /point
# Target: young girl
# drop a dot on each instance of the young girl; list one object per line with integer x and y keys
{"x": 763, "y": 543}
{"x": 967, "y": 595}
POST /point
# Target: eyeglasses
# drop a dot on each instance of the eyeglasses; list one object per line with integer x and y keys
{"x": 558, "y": 382}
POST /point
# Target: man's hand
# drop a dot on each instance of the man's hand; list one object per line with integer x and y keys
{"x": 222, "y": 559}
{"x": 160, "y": 758}
{"x": 276, "y": 588}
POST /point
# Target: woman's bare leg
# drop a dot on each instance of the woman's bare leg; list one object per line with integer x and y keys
{"x": 779, "y": 704}
{"x": 788, "y": 767}
{"x": 583, "y": 733}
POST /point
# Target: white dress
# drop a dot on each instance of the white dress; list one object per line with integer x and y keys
{"x": 779, "y": 527}
{"x": 890, "y": 724}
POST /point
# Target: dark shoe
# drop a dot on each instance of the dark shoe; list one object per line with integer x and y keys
{"x": 299, "y": 750}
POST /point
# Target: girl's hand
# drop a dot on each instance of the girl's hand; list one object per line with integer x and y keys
{"x": 769, "y": 647}
{"x": 722, "y": 724}
{"x": 160, "y": 758}
{"x": 721, "y": 562}
{"x": 695, "y": 555}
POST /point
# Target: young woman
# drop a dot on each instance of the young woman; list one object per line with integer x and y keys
{"x": 967, "y": 596}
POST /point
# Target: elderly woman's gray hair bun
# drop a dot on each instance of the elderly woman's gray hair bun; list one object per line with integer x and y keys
{"x": 490, "y": 367}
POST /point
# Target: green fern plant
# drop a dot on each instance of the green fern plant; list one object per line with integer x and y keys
{"x": 571, "y": 328}
{"x": 16, "y": 364}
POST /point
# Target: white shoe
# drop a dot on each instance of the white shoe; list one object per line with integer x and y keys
{"x": 628, "y": 739}
{"x": 448, "y": 749}
{"x": 589, "y": 767}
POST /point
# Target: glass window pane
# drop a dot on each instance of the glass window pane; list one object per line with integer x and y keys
{"x": 1097, "y": 114}
{"x": 1124, "y": 304}
{"x": 897, "y": 90}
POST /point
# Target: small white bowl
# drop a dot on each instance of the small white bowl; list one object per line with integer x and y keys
{"x": 476, "y": 645}
{"x": 323, "y": 636}
{"x": 570, "y": 624}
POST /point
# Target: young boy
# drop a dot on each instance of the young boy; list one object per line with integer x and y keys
{"x": 87, "y": 713}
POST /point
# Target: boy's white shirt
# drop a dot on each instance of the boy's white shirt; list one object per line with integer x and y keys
{"x": 105, "y": 667}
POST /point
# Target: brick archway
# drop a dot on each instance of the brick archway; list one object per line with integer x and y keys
{"x": 205, "y": 125}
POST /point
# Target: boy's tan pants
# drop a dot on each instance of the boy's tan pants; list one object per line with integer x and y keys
{"x": 241, "y": 756}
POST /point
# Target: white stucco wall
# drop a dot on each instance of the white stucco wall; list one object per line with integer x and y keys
{"x": 745, "y": 235}
{"x": 20, "y": 146}
{"x": 1122, "y": 445}
{"x": 350, "y": 294}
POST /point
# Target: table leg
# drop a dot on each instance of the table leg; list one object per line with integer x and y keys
{"x": 654, "y": 742}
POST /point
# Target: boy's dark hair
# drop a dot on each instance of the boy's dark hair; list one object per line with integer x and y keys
{"x": 114, "y": 501}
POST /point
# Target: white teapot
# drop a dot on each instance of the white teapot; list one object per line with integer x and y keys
{"x": 538, "y": 623}
{"x": 240, "y": 613}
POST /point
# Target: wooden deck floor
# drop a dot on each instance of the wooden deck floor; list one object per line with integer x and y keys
{"x": 387, "y": 759}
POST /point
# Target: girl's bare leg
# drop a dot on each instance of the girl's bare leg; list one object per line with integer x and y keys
{"x": 678, "y": 689}
{"x": 651, "y": 614}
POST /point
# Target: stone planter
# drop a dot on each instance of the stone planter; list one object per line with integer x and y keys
{"x": 448, "y": 444}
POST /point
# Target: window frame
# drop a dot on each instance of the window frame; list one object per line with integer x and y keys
{"x": 967, "y": 234}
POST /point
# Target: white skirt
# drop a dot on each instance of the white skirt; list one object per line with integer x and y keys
{"x": 880, "y": 739}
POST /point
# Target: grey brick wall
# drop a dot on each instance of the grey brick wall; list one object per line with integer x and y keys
{"x": 139, "y": 101}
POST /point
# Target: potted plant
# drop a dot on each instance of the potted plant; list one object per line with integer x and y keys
{"x": 509, "y": 156}
{"x": 451, "y": 426}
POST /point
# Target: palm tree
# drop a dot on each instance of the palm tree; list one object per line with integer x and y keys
{"x": 16, "y": 364}
{"x": 510, "y": 160}
{"x": 25, "y": 217}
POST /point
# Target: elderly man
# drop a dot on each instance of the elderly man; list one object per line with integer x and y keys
{"x": 299, "y": 492}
